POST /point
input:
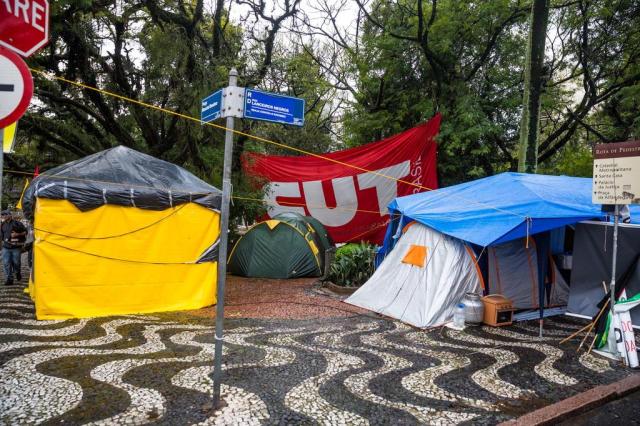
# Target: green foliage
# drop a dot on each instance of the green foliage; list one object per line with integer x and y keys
{"x": 465, "y": 59}
{"x": 353, "y": 264}
{"x": 574, "y": 159}
{"x": 403, "y": 82}
{"x": 163, "y": 53}
{"x": 396, "y": 66}
{"x": 597, "y": 55}
{"x": 296, "y": 74}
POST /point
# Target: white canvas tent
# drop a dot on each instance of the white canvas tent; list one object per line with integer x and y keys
{"x": 427, "y": 273}
{"x": 421, "y": 279}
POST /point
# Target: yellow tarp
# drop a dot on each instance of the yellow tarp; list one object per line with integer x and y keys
{"x": 8, "y": 138}
{"x": 71, "y": 279}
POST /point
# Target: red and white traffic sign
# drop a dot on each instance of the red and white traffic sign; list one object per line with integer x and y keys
{"x": 16, "y": 87}
{"x": 24, "y": 25}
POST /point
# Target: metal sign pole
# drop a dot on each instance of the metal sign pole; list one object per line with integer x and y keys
{"x": 222, "y": 252}
{"x": 612, "y": 342}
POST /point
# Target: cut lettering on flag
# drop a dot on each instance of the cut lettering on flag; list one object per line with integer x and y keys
{"x": 350, "y": 203}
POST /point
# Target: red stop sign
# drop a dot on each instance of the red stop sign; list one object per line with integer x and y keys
{"x": 24, "y": 25}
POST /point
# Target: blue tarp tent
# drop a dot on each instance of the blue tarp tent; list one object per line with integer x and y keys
{"x": 492, "y": 211}
{"x": 501, "y": 208}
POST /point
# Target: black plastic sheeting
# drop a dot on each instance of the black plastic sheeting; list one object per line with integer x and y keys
{"x": 592, "y": 264}
{"x": 211, "y": 254}
{"x": 124, "y": 177}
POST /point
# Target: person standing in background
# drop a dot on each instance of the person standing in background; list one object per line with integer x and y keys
{"x": 13, "y": 235}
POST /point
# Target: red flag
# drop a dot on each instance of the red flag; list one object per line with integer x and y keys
{"x": 349, "y": 201}
{"x": 36, "y": 171}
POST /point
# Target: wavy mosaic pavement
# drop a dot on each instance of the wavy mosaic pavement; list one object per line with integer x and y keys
{"x": 359, "y": 370}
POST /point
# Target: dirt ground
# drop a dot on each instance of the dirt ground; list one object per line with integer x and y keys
{"x": 301, "y": 298}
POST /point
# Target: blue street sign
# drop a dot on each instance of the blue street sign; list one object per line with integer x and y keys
{"x": 211, "y": 107}
{"x": 266, "y": 106}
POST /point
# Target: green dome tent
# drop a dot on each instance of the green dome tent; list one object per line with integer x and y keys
{"x": 288, "y": 246}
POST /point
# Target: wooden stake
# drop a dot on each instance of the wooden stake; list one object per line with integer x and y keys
{"x": 586, "y": 335}
{"x": 575, "y": 334}
{"x": 595, "y": 336}
{"x": 589, "y": 326}
{"x": 592, "y": 343}
{"x": 593, "y": 324}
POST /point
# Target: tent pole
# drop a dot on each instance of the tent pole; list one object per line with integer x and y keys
{"x": 543, "y": 242}
{"x": 612, "y": 342}
{"x": 222, "y": 252}
{"x": 541, "y": 277}
{"x": 541, "y": 298}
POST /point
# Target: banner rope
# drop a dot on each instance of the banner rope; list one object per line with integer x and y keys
{"x": 292, "y": 204}
{"x": 165, "y": 263}
{"x": 373, "y": 228}
{"x": 258, "y": 138}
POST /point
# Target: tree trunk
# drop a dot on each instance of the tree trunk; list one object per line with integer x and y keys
{"x": 217, "y": 28}
{"x": 529, "y": 128}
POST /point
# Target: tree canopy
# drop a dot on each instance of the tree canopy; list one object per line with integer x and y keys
{"x": 367, "y": 70}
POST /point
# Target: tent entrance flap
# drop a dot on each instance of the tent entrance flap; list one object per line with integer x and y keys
{"x": 526, "y": 275}
{"x": 513, "y": 273}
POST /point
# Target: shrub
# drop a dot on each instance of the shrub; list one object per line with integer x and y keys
{"x": 353, "y": 264}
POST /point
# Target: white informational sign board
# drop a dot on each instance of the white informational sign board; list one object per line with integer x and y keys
{"x": 616, "y": 173}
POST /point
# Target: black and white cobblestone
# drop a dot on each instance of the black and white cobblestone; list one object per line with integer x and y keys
{"x": 350, "y": 371}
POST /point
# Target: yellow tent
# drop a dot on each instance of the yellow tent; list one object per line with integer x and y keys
{"x": 120, "y": 232}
